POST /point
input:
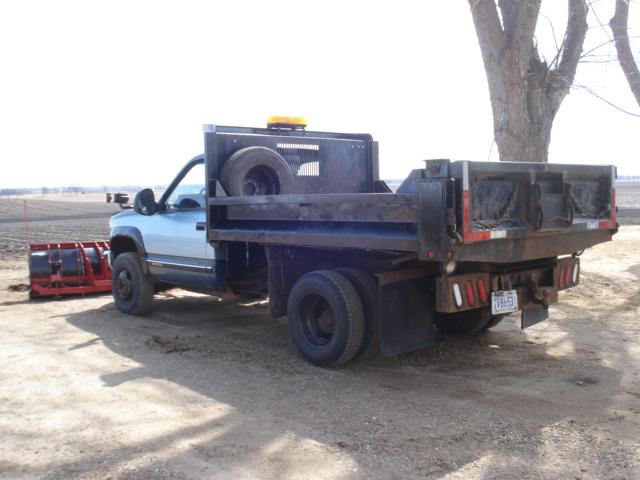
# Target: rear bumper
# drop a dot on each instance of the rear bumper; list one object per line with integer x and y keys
{"x": 535, "y": 287}
{"x": 510, "y": 250}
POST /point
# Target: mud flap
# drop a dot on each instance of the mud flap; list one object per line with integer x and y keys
{"x": 531, "y": 316}
{"x": 406, "y": 315}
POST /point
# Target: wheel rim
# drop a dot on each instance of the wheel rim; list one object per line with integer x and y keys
{"x": 318, "y": 322}
{"x": 260, "y": 181}
{"x": 124, "y": 285}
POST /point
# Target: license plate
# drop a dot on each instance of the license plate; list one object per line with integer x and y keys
{"x": 504, "y": 301}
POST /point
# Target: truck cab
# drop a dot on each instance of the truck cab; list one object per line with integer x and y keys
{"x": 171, "y": 234}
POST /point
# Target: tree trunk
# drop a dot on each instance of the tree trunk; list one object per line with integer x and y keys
{"x": 620, "y": 32}
{"x": 522, "y": 123}
{"x": 525, "y": 91}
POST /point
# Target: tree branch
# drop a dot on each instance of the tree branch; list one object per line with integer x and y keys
{"x": 562, "y": 77}
{"x": 488, "y": 28}
{"x": 592, "y": 92}
{"x": 620, "y": 32}
{"x": 492, "y": 46}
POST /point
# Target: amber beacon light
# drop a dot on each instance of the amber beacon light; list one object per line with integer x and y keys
{"x": 281, "y": 121}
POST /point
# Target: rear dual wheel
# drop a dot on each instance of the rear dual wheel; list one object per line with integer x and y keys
{"x": 467, "y": 323}
{"x": 331, "y": 316}
{"x": 367, "y": 288}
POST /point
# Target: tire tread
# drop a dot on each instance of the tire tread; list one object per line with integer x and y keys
{"x": 366, "y": 285}
{"x": 143, "y": 301}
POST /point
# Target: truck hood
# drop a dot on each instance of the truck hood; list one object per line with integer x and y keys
{"x": 122, "y": 217}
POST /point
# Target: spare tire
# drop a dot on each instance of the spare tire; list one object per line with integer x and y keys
{"x": 256, "y": 171}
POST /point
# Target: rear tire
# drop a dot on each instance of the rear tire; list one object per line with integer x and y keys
{"x": 130, "y": 284}
{"x": 256, "y": 171}
{"x": 367, "y": 288}
{"x": 326, "y": 318}
{"x": 463, "y": 323}
{"x": 495, "y": 320}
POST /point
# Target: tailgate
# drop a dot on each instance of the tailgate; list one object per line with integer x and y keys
{"x": 534, "y": 201}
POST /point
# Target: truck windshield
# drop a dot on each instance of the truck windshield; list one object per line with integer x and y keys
{"x": 190, "y": 192}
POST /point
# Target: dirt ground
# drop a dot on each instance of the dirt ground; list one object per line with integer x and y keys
{"x": 203, "y": 388}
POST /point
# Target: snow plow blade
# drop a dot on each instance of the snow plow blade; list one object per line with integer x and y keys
{"x": 73, "y": 268}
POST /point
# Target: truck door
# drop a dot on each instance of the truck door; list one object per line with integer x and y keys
{"x": 175, "y": 237}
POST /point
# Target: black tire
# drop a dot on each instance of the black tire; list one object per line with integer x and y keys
{"x": 256, "y": 171}
{"x": 326, "y": 318}
{"x": 463, "y": 323}
{"x": 130, "y": 284}
{"x": 367, "y": 288}
{"x": 495, "y": 320}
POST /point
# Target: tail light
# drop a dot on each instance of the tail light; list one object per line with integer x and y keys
{"x": 568, "y": 274}
{"x": 482, "y": 291}
{"x": 471, "y": 295}
{"x": 457, "y": 295}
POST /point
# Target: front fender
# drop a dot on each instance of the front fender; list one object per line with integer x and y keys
{"x": 126, "y": 239}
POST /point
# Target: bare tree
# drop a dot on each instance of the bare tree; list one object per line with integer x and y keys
{"x": 620, "y": 32}
{"x": 525, "y": 91}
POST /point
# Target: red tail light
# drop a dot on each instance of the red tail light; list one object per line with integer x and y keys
{"x": 567, "y": 275}
{"x": 561, "y": 277}
{"x": 482, "y": 291}
{"x": 471, "y": 295}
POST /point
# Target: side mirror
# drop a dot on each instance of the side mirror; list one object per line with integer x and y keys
{"x": 145, "y": 202}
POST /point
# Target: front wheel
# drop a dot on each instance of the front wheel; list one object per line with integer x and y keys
{"x": 326, "y": 318}
{"x": 131, "y": 286}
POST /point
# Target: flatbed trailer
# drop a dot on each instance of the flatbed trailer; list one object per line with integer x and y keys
{"x": 304, "y": 217}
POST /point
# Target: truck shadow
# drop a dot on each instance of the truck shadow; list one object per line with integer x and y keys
{"x": 498, "y": 403}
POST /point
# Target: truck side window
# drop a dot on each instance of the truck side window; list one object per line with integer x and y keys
{"x": 189, "y": 194}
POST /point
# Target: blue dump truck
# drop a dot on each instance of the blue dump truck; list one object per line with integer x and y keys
{"x": 303, "y": 218}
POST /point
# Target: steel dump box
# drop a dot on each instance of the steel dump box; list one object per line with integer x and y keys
{"x": 500, "y": 212}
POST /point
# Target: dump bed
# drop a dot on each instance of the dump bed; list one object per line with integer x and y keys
{"x": 470, "y": 211}
{"x": 474, "y": 211}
